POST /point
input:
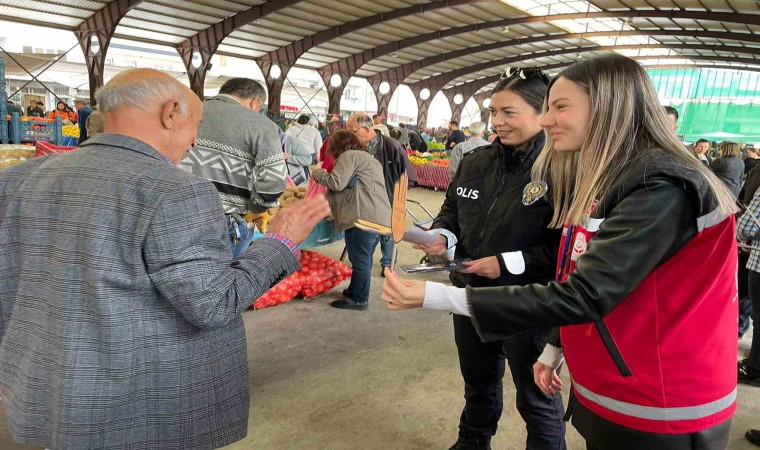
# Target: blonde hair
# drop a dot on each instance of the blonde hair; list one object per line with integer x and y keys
{"x": 728, "y": 149}
{"x": 627, "y": 129}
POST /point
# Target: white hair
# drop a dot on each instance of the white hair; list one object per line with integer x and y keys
{"x": 477, "y": 128}
{"x": 142, "y": 94}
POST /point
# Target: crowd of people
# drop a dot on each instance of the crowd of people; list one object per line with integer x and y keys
{"x": 82, "y": 115}
{"x": 577, "y": 242}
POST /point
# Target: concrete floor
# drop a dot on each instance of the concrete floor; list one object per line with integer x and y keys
{"x": 323, "y": 378}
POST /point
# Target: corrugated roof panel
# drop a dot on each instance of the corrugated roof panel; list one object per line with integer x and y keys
{"x": 157, "y": 21}
{"x": 228, "y": 5}
{"x": 194, "y": 7}
{"x": 169, "y": 11}
{"x": 124, "y": 31}
{"x": 36, "y": 17}
{"x": 333, "y": 14}
{"x": 128, "y": 22}
{"x": 310, "y": 64}
{"x": 49, "y": 8}
{"x": 357, "y": 45}
{"x": 247, "y": 45}
{"x": 239, "y": 52}
{"x": 262, "y": 36}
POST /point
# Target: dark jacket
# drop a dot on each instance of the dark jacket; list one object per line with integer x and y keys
{"x": 83, "y": 114}
{"x": 416, "y": 142}
{"x": 31, "y": 112}
{"x": 456, "y": 136}
{"x": 657, "y": 206}
{"x": 13, "y": 108}
{"x": 750, "y": 187}
{"x": 749, "y": 164}
{"x": 484, "y": 209}
{"x": 731, "y": 171}
{"x": 395, "y": 162}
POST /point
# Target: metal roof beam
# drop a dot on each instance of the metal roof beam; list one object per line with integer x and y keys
{"x": 206, "y": 41}
{"x": 95, "y": 34}
{"x": 471, "y": 88}
{"x": 349, "y": 65}
{"x": 401, "y": 73}
{"x": 287, "y": 55}
{"x": 438, "y": 82}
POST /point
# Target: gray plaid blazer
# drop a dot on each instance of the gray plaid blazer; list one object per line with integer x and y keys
{"x": 120, "y": 303}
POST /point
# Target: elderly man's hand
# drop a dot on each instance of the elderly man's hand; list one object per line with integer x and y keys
{"x": 297, "y": 220}
{"x": 402, "y": 294}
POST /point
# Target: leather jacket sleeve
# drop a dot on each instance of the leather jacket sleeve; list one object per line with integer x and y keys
{"x": 448, "y": 216}
{"x": 540, "y": 260}
{"x": 642, "y": 231}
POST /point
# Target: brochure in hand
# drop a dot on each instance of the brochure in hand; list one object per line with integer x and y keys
{"x": 448, "y": 266}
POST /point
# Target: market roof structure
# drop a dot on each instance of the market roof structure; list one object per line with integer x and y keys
{"x": 457, "y": 46}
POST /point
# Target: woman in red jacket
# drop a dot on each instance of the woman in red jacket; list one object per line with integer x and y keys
{"x": 650, "y": 345}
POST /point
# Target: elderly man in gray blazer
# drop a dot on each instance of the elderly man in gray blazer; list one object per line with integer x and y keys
{"x": 120, "y": 305}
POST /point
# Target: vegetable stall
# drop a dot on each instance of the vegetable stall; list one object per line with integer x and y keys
{"x": 432, "y": 167}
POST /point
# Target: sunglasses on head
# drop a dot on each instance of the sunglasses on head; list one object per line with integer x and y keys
{"x": 525, "y": 73}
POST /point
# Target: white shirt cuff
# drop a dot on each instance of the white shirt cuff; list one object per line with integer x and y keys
{"x": 552, "y": 356}
{"x": 440, "y": 297}
{"x": 515, "y": 262}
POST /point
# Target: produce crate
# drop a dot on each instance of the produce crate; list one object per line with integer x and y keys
{"x": 37, "y": 130}
{"x": 43, "y": 148}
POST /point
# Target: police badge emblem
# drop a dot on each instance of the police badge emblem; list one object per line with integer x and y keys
{"x": 533, "y": 191}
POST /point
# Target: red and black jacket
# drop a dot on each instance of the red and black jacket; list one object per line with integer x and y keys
{"x": 646, "y": 297}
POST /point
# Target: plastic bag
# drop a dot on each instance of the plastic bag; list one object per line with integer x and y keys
{"x": 317, "y": 275}
{"x": 315, "y": 189}
{"x": 283, "y": 292}
{"x": 320, "y": 273}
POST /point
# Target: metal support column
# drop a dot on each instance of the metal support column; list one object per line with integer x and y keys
{"x": 485, "y": 113}
{"x": 94, "y": 36}
{"x": 274, "y": 85}
{"x": 383, "y": 100}
{"x": 334, "y": 93}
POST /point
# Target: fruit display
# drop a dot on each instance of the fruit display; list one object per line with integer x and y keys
{"x": 418, "y": 160}
{"x": 71, "y": 131}
{"x": 317, "y": 275}
{"x": 34, "y": 119}
{"x": 436, "y": 146}
{"x": 438, "y": 158}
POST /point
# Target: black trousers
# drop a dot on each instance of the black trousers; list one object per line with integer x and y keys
{"x": 745, "y": 304}
{"x": 606, "y": 435}
{"x": 482, "y": 365}
{"x": 754, "y": 295}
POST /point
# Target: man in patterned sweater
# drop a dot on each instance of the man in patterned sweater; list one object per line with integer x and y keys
{"x": 238, "y": 149}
